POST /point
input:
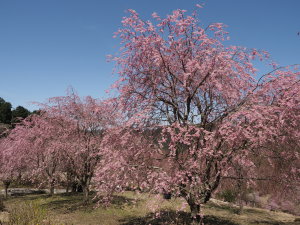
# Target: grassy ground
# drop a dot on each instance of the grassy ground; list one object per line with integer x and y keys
{"x": 136, "y": 209}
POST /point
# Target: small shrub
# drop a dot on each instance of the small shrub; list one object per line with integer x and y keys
{"x": 27, "y": 214}
{"x": 167, "y": 195}
{"x": 252, "y": 198}
{"x": 228, "y": 195}
{"x": 2, "y": 207}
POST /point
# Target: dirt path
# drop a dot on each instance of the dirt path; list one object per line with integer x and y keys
{"x": 26, "y": 191}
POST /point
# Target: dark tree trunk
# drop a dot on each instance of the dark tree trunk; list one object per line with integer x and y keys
{"x": 86, "y": 192}
{"x": 85, "y": 184}
{"x": 69, "y": 186}
{"x": 240, "y": 193}
{"x": 74, "y": 186}
{"x": 70, "y": 182}
{"x": 52, "y": 187}
{"x": 2, "y": 207}
{"x": 6, "y": 186}
{"x": 195, "y": 212}
{"x": 241, "y": 207}
{"x": 6, "y": 191}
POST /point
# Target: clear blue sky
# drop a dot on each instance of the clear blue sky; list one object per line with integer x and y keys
{"x": 48, "y": 45}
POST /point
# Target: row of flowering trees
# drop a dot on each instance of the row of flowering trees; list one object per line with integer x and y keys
{"x": 58, "y": 145}
{"x": 190, "y": 114}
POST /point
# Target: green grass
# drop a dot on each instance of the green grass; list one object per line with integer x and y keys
{"x": 136, "y": 209}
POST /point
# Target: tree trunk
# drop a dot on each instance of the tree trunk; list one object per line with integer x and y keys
{"x": 241, "y": 207}
{"x": 86, "y": 192}
{"x": 52, "y": 187}
{"x": 2, "y": 207}
{"x": 70, "y": 181}
{"x": 85, "y": 183}
{"x": 240, "y": 203}
{"x": 6, "y": 185}
{"x": 240, "y": 195}
{"x": 195, "y": 213}
{"x": 74, "y": 186}
{"x": 6, "y": 191}
{"x": 68, "y": 186}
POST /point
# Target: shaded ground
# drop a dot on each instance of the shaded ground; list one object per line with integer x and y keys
{"x": 173, "y": 217}
{"x": 170, "y": 217}
{"x": 139, "y": 209}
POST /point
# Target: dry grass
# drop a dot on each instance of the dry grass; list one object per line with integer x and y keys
{"x": 130, "y": 208}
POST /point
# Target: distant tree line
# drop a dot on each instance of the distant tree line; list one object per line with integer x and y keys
{"x": 8, "y": 115}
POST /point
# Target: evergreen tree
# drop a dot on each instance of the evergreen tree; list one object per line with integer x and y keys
{"x": 5, "y": 111}
{"x": 19, "y": 113}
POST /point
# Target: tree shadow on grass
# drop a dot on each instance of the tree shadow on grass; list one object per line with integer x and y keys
{"x": 264, "y": 222}
{"x": 232, "y": 209}
{"x": 173, "y": 217}
{"x": 66, "y": 205}
{"x": 228, "y": 208}
{"x": 33, "y": 197}
{"x": 120, "y": 201}
{"x": 74, "y": 202}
